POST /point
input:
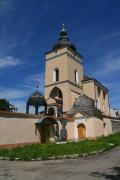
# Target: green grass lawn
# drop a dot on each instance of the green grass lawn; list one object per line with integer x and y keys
{"x": 48, "y": 150}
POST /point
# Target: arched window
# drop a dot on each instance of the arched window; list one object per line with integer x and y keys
{"x": 76, "y": 76}
{"x": 56, "y": 75}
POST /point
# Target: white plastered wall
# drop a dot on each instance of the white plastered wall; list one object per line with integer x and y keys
{"x": 18, "y": 130}
{"x": 108, "y": 126}
{"x": 94, "y": 127}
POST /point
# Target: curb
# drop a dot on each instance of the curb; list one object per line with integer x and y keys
{"x": 72, "y": 156}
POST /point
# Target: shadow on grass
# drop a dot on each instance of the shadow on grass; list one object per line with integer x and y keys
{"x": 114, "y": 175}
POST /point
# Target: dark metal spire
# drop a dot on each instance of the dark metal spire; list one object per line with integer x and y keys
{"x": 63, "y": 40}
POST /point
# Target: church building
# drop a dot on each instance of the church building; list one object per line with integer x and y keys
{"x": 74, "y": 107}
{"x": 65, "y": 78}
{"x": 75, "y": 101}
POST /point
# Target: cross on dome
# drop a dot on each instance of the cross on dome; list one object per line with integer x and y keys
{"x": 63, "y": 27}
{"x": 63, "y": 40}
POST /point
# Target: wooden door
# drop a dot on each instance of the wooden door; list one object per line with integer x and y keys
{"x": 81, "y": 131}
{"x": 45, "y": 134}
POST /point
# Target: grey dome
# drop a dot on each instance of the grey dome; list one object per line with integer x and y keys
{"x": 85, "y": 105}
{"x": 37, "y": 99}
{"x": 63, "y": 41}
{"x": 83, "y": 100}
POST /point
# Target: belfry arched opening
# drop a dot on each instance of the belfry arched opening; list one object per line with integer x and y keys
{"x": 56, "y": 93}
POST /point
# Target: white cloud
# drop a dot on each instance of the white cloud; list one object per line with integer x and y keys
{"x": 26, "y": 86}
{"x": 9, "y": 61}
{"x": 114, "y": 86}
{"x": 109, "y": 64}
{"x": 18, "y": 96}
{"x": 34, "y": 80}
{"x": 35, "y": 77}
{"x": 114, "y": 93}
{"x": 20, "y": 104}
{"x": 12, "y": 93}
{"x": 111, "y": 36}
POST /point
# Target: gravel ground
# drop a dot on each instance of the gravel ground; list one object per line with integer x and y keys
{"x": 102, "y": 166}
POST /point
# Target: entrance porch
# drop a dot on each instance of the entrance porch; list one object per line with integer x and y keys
{"x": 47, "y": 129}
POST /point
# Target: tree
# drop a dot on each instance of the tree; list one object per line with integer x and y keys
{"x": 6, "y": 106}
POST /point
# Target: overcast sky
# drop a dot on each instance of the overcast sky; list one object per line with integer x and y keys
{"x": 29, "y": 28}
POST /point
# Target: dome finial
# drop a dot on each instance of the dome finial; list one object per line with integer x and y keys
{"x": 63, "y": 40}
{"x": 63, "y": 27}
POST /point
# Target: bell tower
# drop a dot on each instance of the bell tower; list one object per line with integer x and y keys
{"x": 63, "y": 71}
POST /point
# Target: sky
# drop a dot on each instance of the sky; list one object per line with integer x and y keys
{"x": 29, "y": 29}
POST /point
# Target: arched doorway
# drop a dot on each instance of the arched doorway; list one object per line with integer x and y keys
{"x": 45, "y": 133}
{"x": 81, "y": 131}
{"x": 57, "y": 95}
{"x": 46, "y": 129}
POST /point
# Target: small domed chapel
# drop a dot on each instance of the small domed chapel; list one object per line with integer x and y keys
{"x": 76, "y": 106}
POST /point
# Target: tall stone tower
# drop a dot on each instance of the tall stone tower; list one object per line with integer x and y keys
{"x": 63, "y": 72}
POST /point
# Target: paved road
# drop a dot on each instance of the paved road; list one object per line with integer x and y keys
{"x": 99, "y": 167}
